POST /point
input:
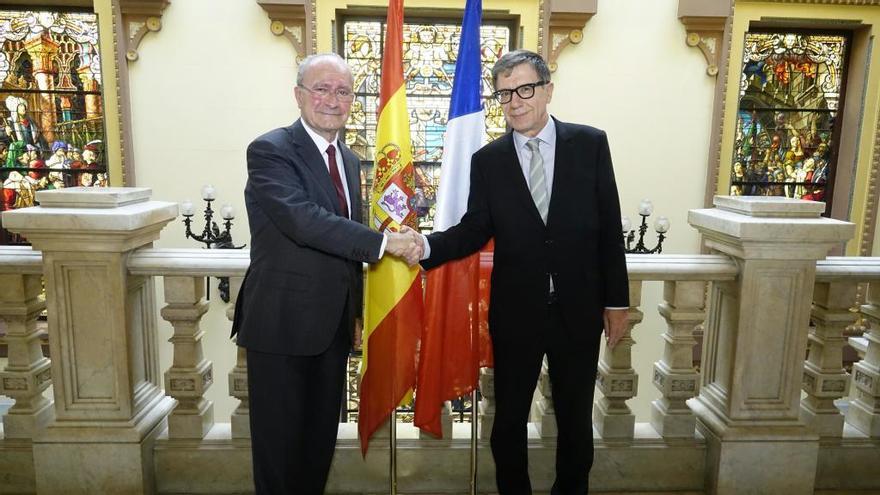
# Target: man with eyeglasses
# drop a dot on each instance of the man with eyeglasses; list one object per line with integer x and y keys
{"x": 546, "y": 193}
{"x": 296, "y": 310}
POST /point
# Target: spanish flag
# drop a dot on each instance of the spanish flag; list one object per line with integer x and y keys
{"x": 393, "y": 313}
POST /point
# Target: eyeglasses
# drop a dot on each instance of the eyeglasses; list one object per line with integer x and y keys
{"x": 342, "y": 94}
{"x": 525, "y": 91}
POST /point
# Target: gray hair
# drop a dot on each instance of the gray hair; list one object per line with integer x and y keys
{"x": 311, "y": 60}
{"x": 509, "y": 60}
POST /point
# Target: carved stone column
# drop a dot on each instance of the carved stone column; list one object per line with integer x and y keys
{"x": 825, "y": 380}
{"x": 27, "y": 372}
{"x": 109, "y": 404}
{"x": 190, "y": 374}
{"x": 675, "y": 375}
{"x": 864, "y": 412}
{"x": 238, "y": 379}
{"x": 617, "y": 380}
{"x": 756, "y": 338}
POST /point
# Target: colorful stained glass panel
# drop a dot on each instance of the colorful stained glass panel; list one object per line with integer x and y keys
{"x": 51, "y": 109}
{"x": 790, "y": 92}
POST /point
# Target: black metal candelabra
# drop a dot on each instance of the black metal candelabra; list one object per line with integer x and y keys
{"x": 661, "y": 226}
{"x": 211, "y": 235}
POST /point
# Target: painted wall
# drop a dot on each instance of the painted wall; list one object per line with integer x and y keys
{"x": 214, "y": 78}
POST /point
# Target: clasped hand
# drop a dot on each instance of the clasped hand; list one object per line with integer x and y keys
{"x": 406, "y": 245}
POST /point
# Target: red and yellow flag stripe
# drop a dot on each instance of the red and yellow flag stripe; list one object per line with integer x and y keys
{"x": 393, "y": 312}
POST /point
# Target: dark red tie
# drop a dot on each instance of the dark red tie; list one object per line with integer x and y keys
{"x": 337, "y": 181}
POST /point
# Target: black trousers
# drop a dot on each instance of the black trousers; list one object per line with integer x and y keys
{"x": 572, "y": 365}
{"x": 294, "y": 416}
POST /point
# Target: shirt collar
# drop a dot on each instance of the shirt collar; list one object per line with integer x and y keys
{"x": 319, "y": 140}
{"x": 547, "y": 135}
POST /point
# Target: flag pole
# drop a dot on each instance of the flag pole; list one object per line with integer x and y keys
{"x": 474, "y": 432}
{"x": 393, "y": 460}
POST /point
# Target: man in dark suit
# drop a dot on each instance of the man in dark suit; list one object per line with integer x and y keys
{"x": 296, "y": 310}
{"x": 546, "y": 193}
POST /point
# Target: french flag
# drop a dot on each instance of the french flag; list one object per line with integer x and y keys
{"x": 450, "y": 352}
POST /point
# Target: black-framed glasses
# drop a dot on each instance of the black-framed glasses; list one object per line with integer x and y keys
{"x": 341, "y": 94}
{"x": 525, "y": 91}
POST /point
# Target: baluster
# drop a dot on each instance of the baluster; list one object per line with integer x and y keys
{"x": 28, "y": 373}
{"x": 487, "y": 404}
{"x": 617, "y": 380}
{"x": 238, "y": 379}
{"x": 825, "y": 380}
{"x": 674, "y": 374}
{"x": 546, "y": 415}
{"x": 190, "y": 374}
{"x": 863, "y": 412}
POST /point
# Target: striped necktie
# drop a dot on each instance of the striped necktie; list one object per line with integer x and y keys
{"x": 537, "y": 181}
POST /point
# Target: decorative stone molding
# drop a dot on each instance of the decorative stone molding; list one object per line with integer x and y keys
{"x": 564, "y": 21}
{"x": 704, "y": 22}
{"x": 295, "y": 20}
{"x": 140, "y": 17}
{"x": 706, "y": 34}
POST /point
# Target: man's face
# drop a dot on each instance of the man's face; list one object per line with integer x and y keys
{"x": 525, "y": 116}
{"x": 326, "y": 115}
{"x": 88, "y": 156}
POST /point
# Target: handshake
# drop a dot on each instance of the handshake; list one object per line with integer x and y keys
{"x": 406, "y": 245}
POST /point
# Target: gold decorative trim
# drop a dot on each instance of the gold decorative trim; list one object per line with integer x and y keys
{"x": 720, "y": 94}
{"x": 871, "y": 198}
{"x": 120, "y": 110}
{"x": 706, "y": 33}
{"x": 566, "y": 29}
{"x": 560, "y": 26}
{"x": 294, "y": 20}
{"x": 140, "y": 17}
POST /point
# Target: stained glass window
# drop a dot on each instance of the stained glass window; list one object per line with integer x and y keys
{"x": 787, "y": 126}
{"x": 51, "y": 110}
{"x": 430, "y": 51}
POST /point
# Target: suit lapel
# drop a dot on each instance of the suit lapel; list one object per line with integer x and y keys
{"x": 562, "y": 162}
{"x": 516, "y": 174}
{"x": 313, "y": 160}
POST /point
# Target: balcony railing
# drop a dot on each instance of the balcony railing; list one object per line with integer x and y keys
{"x": 744, "y": 410}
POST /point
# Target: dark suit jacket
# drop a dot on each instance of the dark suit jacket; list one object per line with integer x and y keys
{"x": 581, "y": 245}
{"x": 306, "y": 259}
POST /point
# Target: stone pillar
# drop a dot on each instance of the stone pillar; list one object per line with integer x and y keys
{"x": 617, "y": 380}
{"x": 109, "y": 404}
{"x": 238, "y": 380}
{"x": 27, "y": 372}
{"x": 756, "y": 339}
{"x": 864, "y": 411}
{"x": 487, "y": 403}
{"x": 190, "y": 374}
{"x": 675, "y": 375}
{"x": 825, "y": 380}
{"x": 545, "y": 414}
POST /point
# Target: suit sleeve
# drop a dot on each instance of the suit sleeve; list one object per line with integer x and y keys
{"x": 281, "y": 195}
{"x": 611, "y": 249}
{"x": 473, "y": 231}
